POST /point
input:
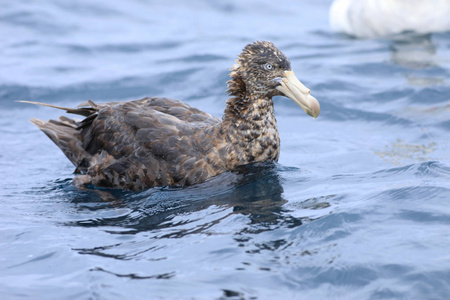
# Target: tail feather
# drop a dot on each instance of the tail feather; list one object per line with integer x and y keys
{"x": 65, "y": 134}
{"x": 83, "y": 111}
{"x": 38, "y": 123}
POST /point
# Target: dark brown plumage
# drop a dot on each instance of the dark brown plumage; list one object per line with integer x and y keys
{"x": 159, "y": 141}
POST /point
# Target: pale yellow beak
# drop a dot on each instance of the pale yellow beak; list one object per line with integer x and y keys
{"x": 292, "y": 87}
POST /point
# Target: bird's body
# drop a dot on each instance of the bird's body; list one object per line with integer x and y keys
{"x": 164, "y": 142}
{"x": 377, "y": 18}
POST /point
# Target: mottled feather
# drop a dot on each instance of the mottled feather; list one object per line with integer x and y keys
{"x": 159, "y": 141}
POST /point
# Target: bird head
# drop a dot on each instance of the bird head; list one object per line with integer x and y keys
{"x": 262, "y": 69}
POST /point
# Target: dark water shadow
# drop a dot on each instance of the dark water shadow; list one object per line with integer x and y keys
{"x": 254, "y": 191}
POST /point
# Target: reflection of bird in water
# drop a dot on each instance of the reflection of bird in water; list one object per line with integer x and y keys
{"x": 254, "y": 191}
{"x": 413, "y": 51}
{"x": 159, "y": 141}
{"x": 377, "y": 18}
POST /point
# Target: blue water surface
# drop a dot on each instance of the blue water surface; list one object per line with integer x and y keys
{"x": 358, "y": 206}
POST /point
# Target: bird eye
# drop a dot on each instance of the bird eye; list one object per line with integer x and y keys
{"x": 268, "y": 67}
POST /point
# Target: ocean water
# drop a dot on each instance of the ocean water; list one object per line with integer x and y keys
{"x": 358, "y": 206}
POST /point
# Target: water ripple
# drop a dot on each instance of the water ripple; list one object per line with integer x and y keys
{"x": 357, "y": 208}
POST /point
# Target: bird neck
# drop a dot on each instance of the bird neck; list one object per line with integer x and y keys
{"x": 249, "y": 125}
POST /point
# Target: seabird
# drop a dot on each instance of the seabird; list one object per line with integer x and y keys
{"x": 159, "y": 141}
{"x": 378, "y": 18}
